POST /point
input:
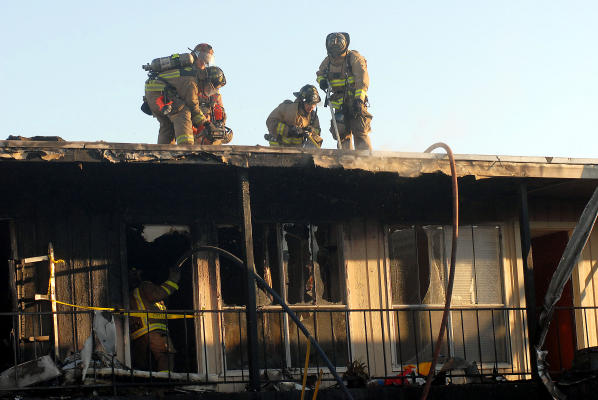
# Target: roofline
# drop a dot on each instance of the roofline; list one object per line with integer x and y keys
{"x": 407, "y": 164}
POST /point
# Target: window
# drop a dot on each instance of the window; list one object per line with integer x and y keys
{"x": 303, "y": 264}
{"x": 419, "y": 263}
{"x": 152, "y": 250}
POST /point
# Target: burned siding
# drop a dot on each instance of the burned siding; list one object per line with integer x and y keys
{"x": 89, "y": 276}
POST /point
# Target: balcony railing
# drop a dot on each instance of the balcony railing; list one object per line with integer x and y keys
{"x": 209, "y": 346}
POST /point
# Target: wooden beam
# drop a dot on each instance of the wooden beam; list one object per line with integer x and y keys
{"x": 251, "y": 310}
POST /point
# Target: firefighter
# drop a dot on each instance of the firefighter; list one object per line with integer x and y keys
{"x": 210, "y": 101}
{"x": 149, "y": 333}
{"x": 294, "y": 122}
{"x": 172, "y": 97}
{"x": 204, "y": 55}
{"x": 344, "y": 73}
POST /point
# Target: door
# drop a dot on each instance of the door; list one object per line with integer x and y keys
{"x": 560, "y": 341}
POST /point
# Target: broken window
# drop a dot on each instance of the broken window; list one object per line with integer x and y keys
{"x": 313, "y": 274}
{"x": 153, "y": 250}
{"x": 419, "y": 263}
{"x": 302, "y": 263}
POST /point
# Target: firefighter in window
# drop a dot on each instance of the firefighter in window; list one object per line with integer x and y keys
{"x": 151, "y": 346}
{"x": 210, "y": 103}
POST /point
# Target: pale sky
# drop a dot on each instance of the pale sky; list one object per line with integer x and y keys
{"x": 502, "y": 77}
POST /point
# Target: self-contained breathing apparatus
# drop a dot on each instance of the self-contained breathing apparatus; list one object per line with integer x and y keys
{"x": 162, "y": 64}
{"x": 165, "y": 63}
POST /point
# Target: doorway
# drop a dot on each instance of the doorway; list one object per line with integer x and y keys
{"x": 547, "y": 250}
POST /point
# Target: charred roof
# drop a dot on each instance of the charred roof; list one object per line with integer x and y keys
{"x": 286, "y": 182}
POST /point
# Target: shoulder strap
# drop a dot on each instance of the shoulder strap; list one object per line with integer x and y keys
{"x": 349, "y": 54}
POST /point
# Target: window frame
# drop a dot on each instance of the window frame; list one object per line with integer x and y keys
{"x": 283, "y": 291}
{"x": 504, "y": 273}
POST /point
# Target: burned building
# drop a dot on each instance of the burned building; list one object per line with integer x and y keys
{"x": 356, "y": 244}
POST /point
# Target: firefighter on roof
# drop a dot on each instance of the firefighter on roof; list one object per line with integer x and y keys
{"x": 210, "y": 102}
{"x": 344, "y": 73}
{"x": 149, "y": 333}
{"x": 294, "y": 123}
{"x": 171, "y": 93}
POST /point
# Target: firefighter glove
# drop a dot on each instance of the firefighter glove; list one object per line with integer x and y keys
{"x": 210, "y": 129}
{"x": 358, "y": 107}
{"x": 295, "y": 132}
{"x": 324, "y": 84}
{"x": 308, "y": 130}
{"x": 198, "y": 120}
{"x": 174, "y": 274}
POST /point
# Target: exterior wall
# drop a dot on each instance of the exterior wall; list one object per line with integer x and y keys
{"x": 367, "y": 288}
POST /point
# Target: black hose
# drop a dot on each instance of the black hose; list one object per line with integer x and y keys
{"x": 449, "y": 288}
{"x": 271, "y": 291}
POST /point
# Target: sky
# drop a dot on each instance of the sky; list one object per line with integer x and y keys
{"x": 486, "y": 77}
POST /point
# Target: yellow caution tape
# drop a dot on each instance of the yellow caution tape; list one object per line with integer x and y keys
{"x": 84, "y": 307}
{"x": 130, "y": 314}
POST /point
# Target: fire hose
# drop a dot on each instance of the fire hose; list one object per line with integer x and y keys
{"x": 451, "y": 279}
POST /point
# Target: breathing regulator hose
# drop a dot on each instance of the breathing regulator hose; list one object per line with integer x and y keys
{"x": 451, "y": 279}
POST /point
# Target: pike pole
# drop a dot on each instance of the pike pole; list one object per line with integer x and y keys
{"x": 338, "y": 138}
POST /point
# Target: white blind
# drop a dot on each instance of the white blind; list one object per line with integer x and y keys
{"x": 477, "y": 268}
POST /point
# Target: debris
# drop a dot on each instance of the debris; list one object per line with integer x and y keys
{"x": 37, "y": 138}
{"x": 30, "y": 373}
{"x": 280, "y": 381}
{"x": 356, "y": 375}
{"x": 104, "y": 331}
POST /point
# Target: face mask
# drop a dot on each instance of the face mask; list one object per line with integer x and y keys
{"x": 208, "y": 89}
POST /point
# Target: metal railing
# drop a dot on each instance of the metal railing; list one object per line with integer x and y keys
{"x": 482, "y": 344}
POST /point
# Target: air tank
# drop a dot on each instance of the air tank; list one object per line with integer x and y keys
{"x": 172, "y": 62}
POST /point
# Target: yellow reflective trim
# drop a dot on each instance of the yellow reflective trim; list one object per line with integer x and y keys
{"x": 145, "y": 330}
{"x": 184, "y": 139}
{"x": 295, "y": 141}
{"x": 320, "y": 78}
{"x": 172, "y": 284}
{"x": 174, "y": 73}
{"x": 280, "y": 128}
{"x": 337, "y": 103}
{"x": 337, "y": 82}
{"x": 274, "y": 144}
{"x": 154, "y": 86}
{"x": 170, "y": 76}
{"x": 198, "y": 119}
{"x": 166, "y": 289}
{"x": 137, "y": 297}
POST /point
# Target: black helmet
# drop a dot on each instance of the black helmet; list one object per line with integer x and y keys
{"x": 337, "y": 43}
{"x": 216, "y": 77}
{"x": 308, "y": 94}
